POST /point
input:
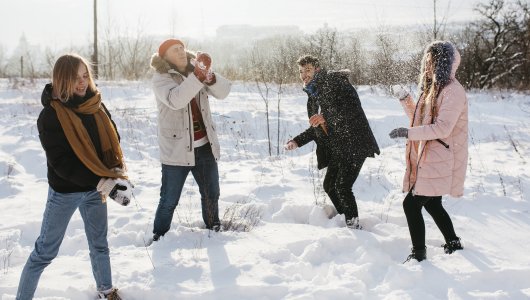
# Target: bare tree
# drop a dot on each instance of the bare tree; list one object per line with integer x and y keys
{"x": 497, "y": 45}
{"x": 3, "y": 62}
{"x": 263, "y": 80}
{"x": 135, "y": 50}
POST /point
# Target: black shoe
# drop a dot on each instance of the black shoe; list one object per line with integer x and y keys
{"x": 419, "y": 254}
{"x": 156, "y": 237}
{"x": 215, "y": 228}
{"x": 452, "y": 246}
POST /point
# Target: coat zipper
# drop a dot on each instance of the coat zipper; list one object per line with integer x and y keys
{"x": 190, "y": 126}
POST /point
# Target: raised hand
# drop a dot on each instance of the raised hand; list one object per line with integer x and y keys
{"x": 202, "y": 65}
{"x": 399, "y": 91}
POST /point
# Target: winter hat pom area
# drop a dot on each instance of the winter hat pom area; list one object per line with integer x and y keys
{"x": 166, "y": 44}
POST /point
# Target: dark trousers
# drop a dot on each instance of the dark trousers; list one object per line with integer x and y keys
{"x": 412, "y": 206}
{"x": 338, "y": 184}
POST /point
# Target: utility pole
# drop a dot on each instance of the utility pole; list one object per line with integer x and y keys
{"x": 22, "y": 67}
{"x": 95, "y": 55}
{"x": 434, "y": 29}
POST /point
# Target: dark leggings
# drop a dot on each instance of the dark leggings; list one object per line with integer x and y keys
{"x": 412, "y": 206}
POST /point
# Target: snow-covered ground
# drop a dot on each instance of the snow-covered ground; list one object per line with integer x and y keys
{"x": 291, "y": 249}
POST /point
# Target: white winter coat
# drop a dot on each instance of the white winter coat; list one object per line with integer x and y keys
{"x": 173, "y": 92}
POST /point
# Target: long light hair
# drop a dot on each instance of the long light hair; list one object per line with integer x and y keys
{"x": 435, "y": 74}
{"x": 64, "y": 77}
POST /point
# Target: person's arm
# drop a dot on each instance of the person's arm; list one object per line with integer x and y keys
{"x": 408, "y": 106}
{"x": 221, "y": 88}
{"x": 305, "y": 137}
{"x": 174, "y": 95}
{"x": 452, "y": 103}
{"x": 59, "y": 153}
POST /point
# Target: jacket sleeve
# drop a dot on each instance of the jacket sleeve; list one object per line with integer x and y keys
{"x": 408, "y": 106}
{"x": 305, "y": 137}
{"x": 452, "y": 103}
{"x": 174, "y": 95}
{"x": 221, "y": 88}
{"x": 59, "y": 153}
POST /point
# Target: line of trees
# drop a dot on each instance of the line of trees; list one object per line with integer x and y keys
{"x": 495, "y": 53}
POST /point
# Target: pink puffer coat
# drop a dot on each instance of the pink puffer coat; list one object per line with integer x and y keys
{"x": 434, "y": 169}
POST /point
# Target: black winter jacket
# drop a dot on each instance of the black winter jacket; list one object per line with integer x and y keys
{"x": 349, "y": 136}
{"x": 66, "y": 173}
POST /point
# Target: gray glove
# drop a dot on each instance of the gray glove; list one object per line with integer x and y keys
{"x": 399, "y": 132}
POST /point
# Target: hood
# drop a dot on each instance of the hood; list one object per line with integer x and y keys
{"x": 321, "y": 76}
{"x": 162, "y": 66}
{"x": 46, "y": 96}
{"x": 444, "y": 53}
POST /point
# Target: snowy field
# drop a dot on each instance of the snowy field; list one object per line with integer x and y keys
{"x": 285, "y": 245}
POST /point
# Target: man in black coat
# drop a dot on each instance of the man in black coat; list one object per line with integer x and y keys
{"x": 341, "y": 131}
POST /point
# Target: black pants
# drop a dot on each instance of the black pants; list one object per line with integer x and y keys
{"x": 412, "y": 206}
{"x": 338, "y": 184}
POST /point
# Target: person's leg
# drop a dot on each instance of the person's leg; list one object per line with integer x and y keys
{"x": 206, "y": 175}
{"x": 329, "y": 188}
{"x": 94, "y": 214}
{"x": 173, "y": 178}
{"x": 412, "y": 206}
{"x": 346, "y": 177}
{"x": 59, "y": 209}
{"x": 440, "y": 216}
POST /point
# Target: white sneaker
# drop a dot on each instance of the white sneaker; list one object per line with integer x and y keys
{"x": 353, "y": 223}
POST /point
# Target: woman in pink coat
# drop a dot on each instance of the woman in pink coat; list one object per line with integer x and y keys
{"x": 436, "y": 150}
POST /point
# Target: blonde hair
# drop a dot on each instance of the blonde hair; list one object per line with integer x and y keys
{"x": 64, "y": 77}
{"x": 435, "y": 74}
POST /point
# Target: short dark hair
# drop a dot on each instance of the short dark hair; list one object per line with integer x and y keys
{"x": 308, "y": 59}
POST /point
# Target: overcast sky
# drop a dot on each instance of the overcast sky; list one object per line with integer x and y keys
{"x": 60, "y": 23}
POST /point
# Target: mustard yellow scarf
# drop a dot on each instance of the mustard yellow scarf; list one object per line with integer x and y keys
{"x": 112, "y": 164}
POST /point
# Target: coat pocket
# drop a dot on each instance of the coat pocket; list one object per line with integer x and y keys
{"x": 170, "y": 133}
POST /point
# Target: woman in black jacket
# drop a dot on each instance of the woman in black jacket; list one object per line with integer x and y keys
{"x": 85, "y": 165}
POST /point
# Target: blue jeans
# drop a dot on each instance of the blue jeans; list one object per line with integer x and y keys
{"x": 206, "y": 175}
{"x": 59, "y": 209}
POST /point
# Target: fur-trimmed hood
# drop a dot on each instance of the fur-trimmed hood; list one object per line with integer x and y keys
{"x": 162, "y": 66}
{"x": 444, "y": 54}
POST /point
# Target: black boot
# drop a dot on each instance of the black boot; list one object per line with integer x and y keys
{"x": 418, "y": 253}
{"x": 452, "y": 246}
{"x": 156, "y": 237}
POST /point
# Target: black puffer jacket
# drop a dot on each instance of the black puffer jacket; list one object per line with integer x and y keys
{"x": 349, "y": 135}
{"x": 66, "y": 173}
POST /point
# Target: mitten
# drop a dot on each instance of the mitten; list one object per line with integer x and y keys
{"x": 202, "y": 64}
{"x": 399, "y": 92}
{"x": 399, "y": 132}
{"x": 210, "y": 78}
{"x": 119, "y": 190}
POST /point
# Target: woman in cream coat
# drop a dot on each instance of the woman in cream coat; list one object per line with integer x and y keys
{"x": 436, "y": 151}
